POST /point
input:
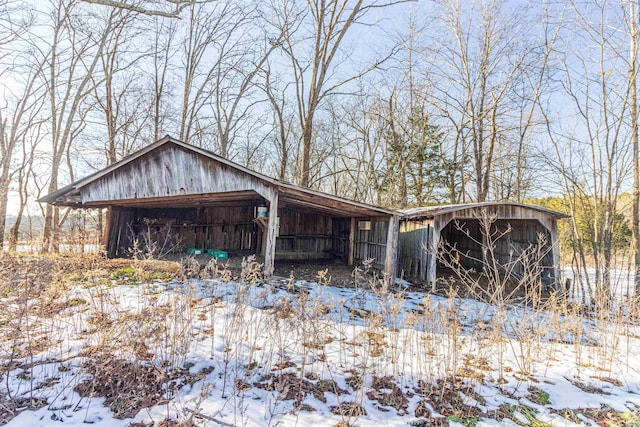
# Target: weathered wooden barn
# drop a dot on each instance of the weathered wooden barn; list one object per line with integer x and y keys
{"x": 459, "y": 228}
{"x": 210, "y": 202}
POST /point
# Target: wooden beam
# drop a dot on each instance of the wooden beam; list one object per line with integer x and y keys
{"x": 115, "y": 225}
{"x": 424, "y": 250}
{"x": 432, "y": 254}
{"x": 352, "y": 242}
{"x": 107, "y": 229}
{"x": 305, "y": 203}
{"x": 346, "y": 206}
{"x": 270, "y": 237}
{"x": 555, "y": 251}
{"x": 234, "y": 198}
{"x": 391, "y": 258}
{"x": 199, "y": 232}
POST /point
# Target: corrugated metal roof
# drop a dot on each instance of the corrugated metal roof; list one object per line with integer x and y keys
{"x": 54, "y": 197}
{"x": 411, "y": 213}
{"x": 433, "y": 211}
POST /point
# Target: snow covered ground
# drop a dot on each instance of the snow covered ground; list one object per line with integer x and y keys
{"x": 216, "y": 352}
{"x": 622, "y": 281}
{"x": 71, "y": 248}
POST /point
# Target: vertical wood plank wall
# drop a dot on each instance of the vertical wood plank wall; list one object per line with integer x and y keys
{"x": 171, "y": 171}
{"x": 372, "y": 244}
{"x": 306, "y": 232}
{"x": 418, "y": 239}
{"x": 522, "y": 234}
{"x": 227, "y": 228}
{"x": 233, "y": 229}
{"x": 120, "y": 238}
{"x": 413, "y": 250}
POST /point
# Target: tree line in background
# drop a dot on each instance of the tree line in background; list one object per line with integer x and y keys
{"x": 389, "y": 102}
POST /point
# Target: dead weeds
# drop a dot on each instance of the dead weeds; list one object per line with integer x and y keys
{"x": 387, "y": 393}
{"x": 446, "y": 397}
{"x": 348, "y": 409}
{"x": 129, "y": 387}
{"x": 126, "y": 386}
{"x": 291, "y": 386}
{"x": 10, "y": 408}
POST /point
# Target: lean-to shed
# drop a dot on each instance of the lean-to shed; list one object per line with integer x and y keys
{"x": 425, "y": 231}
{"x": 211, "y": 202}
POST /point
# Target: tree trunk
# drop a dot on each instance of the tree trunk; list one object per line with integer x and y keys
{"x": 6, "y": 150}
{"x": 15, "y": 229}
{"x": 635, "y": 228}
{"x": 307, "y": 140}
{"x": 4, "y": 194}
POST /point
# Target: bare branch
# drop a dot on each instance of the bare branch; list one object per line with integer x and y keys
{"x": 179, "y": 5}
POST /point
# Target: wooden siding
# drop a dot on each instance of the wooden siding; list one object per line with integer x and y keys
{"x": 521, "y": 236}
{"x": 304, "y": 232}
{"x": 171, "y": 171}
{"x": 464, "y": 237}
{"x": 119, "y": 239}
{"x": 419, "y": 239}
{"x": 227, "y": 228}
{"x": 413, "y": 256}
{"x": 341, "y": 229}
{"x": 302, "y": 235}
{"x": 372, "y": 244}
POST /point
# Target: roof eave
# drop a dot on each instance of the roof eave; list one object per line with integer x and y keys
{"x": 433, "y": 211}
{"x": 57, "y": 197}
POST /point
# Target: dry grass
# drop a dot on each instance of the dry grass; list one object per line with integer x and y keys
{"x": 429, "y": 363}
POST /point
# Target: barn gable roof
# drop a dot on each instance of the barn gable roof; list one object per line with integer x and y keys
{"x": 70, "y": 195}
{"x": 428, "y": 212}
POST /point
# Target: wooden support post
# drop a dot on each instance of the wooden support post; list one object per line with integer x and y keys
{"x": 352, "y": 242}
{"x": 432, "y": 249}
{"x": 199, "y": 230}
{"x": 555, "y": 251}
{"x": 485, "y": 243}
{"x": 425, "y": 238}
{"x": 270, "y": 237}
{"x": 391, "y": 258}
{"x": 552, "y": 227}
{"x": 106, "y": 232}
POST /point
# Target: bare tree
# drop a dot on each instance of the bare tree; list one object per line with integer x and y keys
{"x": 71, "y": 59}
{"x": 283, "y": 121}
{"x": 593, "y": 157}
{"x": 364, "y": 160}
{"x": 15, "y": 21}
{"x": 164, "y": 8}
{"x": 484, "y": 55}
{"x": 15, "y": 128}
{"x": 210, "y": 31}
{"x": 23, "y": 176}
{"x": 118, "y": 93}
{"x": 163, "y": 41}
{"x": 325, "y": 24}
{"x": 223, "y": 51}
{"x": 633, "y": 76}
{"x": 231, "y": 101}
{"x": 17, "y": 108}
